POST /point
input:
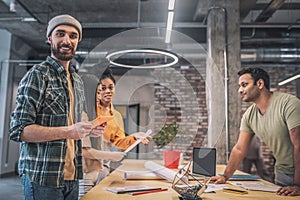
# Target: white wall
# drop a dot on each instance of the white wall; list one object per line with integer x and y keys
{"x": 13, "y": 51}
{"x": 134, "y": 87}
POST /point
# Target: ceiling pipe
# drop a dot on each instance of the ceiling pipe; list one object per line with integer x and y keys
{"x": 286, "y": 56}
{"x": 271, "y": 55}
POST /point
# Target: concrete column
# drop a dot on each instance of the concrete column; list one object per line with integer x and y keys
{"x": 223, "y": 63}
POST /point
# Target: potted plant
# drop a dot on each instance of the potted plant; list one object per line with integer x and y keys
{"x": 166, "y": 135}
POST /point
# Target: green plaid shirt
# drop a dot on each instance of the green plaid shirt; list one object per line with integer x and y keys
{"x": 43, "y": 99}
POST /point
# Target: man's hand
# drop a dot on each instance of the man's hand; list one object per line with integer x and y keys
{"x": 80, "y": 130}
{"x": 140, "y": 135}
{"x": 218, "y": 179}
{"x": 289, "y": 191}
{"x": 98, "y": 130}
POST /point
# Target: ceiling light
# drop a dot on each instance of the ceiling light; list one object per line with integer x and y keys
{"x": 170, "y": 21}
{"x": 12, "y": 6}
{"x": 169, "y": 27}
{"x": 171, "y": 4}
{"x": 28, "y": 19}
{"x": 146, "y": 53}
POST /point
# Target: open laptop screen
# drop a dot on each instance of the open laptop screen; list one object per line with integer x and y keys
{"x": 204, "y": 161}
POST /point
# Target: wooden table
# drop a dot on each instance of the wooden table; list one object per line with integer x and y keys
{"x": 116, "y": 179}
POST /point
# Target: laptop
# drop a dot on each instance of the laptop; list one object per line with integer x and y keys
{"x": 204, "y": 161}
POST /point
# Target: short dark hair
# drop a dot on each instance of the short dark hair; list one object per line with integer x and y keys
{"x": 107, "y": 74}
{"x": 257, "y": 73}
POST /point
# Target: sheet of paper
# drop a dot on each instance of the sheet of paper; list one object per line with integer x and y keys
{"x": 138, "y": 141}
{"x": 256, "y": 185}
{"x": 214, "y": 187}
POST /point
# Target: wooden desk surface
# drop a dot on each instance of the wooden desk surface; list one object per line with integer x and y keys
{"x": 116, "y": 179}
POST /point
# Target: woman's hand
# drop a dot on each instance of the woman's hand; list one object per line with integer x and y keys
{"x": 140, "y": 135}
{"x": 116, "y": 155}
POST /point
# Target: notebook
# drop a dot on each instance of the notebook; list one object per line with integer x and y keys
{"x": 242, "y": 177}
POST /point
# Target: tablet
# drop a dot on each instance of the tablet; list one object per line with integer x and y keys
{"x": 204, "y": 161}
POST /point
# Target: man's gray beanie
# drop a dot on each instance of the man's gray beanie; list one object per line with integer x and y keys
{"x": 64, "y": 20}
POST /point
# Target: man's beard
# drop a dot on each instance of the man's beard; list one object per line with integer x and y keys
{"x": 62, "y": 56}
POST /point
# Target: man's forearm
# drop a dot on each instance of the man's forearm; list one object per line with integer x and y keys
{"x": 295, "y": 138}
{"x": 37, "y": 133}
{"x": 233, "y": 163}
{"x": 297, "y": 165}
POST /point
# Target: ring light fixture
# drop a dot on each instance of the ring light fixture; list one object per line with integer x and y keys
{"x": 150, "y": 66}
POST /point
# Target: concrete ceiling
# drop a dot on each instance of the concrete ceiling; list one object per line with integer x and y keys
{"x": 265, "y": 24}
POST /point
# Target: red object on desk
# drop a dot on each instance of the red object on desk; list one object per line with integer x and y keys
{"x": 149, "y": 191}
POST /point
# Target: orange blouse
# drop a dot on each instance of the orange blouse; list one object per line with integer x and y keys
{"x": 114, "y": 131}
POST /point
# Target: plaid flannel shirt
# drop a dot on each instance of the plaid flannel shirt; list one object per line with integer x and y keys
{"x": 43, "y": 99}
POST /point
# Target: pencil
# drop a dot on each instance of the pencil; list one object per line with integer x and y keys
{"x": 150, "y": 191}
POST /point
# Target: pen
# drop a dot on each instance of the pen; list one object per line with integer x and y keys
{"x": 235, "y": 191}
{"x": 150, "y": 191}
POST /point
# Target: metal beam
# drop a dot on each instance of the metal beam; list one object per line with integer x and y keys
{"x": 269, "y": 10}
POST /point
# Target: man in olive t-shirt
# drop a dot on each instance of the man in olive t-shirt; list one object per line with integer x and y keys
{"x": 275, "y": 118}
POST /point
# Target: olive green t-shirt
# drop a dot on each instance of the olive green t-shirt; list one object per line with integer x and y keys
{"x": 273, "y": 128}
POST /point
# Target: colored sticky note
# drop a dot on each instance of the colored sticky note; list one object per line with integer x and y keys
{"x": 101, "y": 120}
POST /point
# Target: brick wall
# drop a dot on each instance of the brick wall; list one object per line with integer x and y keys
{"x": 180, "y": 94}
